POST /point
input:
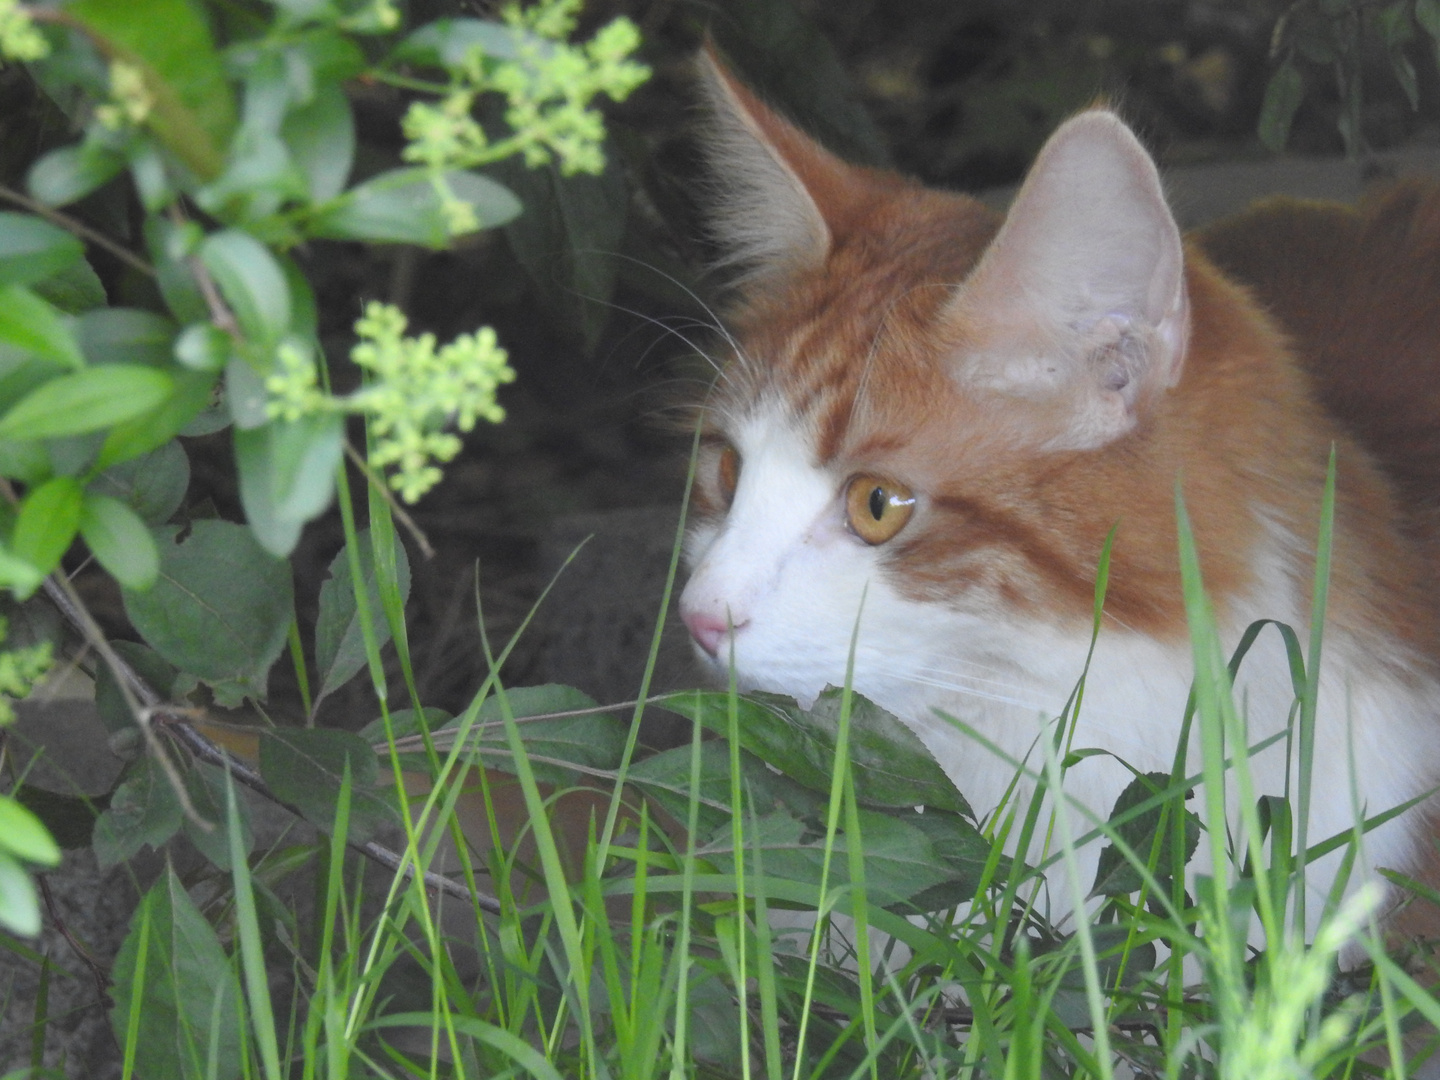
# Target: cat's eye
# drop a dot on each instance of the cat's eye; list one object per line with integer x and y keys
{"x": 877, "y": 508}
{"x": 728, "y": 474}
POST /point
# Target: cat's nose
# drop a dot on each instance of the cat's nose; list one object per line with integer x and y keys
{"x": 707, "y": 630}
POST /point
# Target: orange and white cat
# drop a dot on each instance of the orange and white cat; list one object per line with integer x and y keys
{"x": 931, "y": 415}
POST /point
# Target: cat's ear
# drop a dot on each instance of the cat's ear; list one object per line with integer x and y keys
{"x": 1079, "y": 303}
{"x": 777, "y": 188}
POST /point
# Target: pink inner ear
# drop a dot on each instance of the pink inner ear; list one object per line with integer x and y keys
{"x": 1089, "y": 259}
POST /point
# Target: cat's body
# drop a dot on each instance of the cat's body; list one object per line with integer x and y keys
{"x": 997, "y": 394}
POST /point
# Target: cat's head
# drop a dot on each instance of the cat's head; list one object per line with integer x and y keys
{"x": 913, "y": 389}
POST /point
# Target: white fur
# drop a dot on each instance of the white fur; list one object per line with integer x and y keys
{"x": 796, "y": 585}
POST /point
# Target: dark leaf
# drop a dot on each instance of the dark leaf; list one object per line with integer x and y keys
{"x": 339, "y": 637}
{"x": 305, "y": 766}
{"x": 189, "y": 994}
{"x": 221, "y": 608}
{"x": 143, "y": 812}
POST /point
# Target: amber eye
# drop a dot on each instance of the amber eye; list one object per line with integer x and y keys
{"x": 877, "y": 509}
{"x": 729, "y": 474}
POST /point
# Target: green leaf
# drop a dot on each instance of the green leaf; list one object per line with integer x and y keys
{"x": 287, "y": 475}
{"x": 252, "y": 283}
{"x": 120, "y": 540}
{"x": 49, "y": 519}
{"x": 86, "y": 400}
{"x": 190, "y": 996}
{"x": 24, "y": 836}
{"x": 32, "y": 250}
{"x": 126, "y": 336}
{"x": 665, "y": 778}
{"x": 1283, "y": 95}
{"x": 321, "y": 137}
{"x": 75, "y": 289}
{"x": 900, "y": 860}
{"x": 62, "y": 176}
{"x": 202, "y": 346}
{"x": 168, "y": 252}
{"x": 595, "y": 741}
{"x": 448, "y": 43}
{"x": 891, "y": 765}
{"x": 150, "y": 666}
{"x": 193, "y": 112}
{"x": 206, "y": 785}
{"x": 221, "y": 609}
{"x": 19, "y": 907}
{"x": 153, "y": 485}
{"x": 143, "y": 812}
{"x": 193, "y": 393}
{"x": 1114, "y": 874}
{"x": 568, "y": 239}
{"x": 304, "y": 767}
{"x": 33, "y": 325}
{"x": 339, "y": 640}
{"x": 402, "y": 207}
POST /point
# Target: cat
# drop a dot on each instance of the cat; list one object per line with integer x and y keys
{"x": 930, "y": 415}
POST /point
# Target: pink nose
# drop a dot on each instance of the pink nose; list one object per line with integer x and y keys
{"x": 707, "y": 630}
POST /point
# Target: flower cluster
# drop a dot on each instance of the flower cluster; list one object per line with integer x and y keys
{"x": 19, "y": 40}
{"x": 414, "y": 390}
{"x": 20, "y": 670}
{"x": 548, "y": 88}
{"x": 130, "y": 99}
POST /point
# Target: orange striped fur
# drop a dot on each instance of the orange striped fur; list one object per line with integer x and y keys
{"x": 881, "y": 329}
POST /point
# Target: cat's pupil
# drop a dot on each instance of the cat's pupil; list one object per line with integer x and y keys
{"x": 877, "y": 503}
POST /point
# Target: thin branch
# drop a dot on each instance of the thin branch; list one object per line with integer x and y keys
{"x": 71, "y": 225}
{"x": 146, "y": 706}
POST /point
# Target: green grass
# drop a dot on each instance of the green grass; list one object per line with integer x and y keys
{"x": 656, "y": 953}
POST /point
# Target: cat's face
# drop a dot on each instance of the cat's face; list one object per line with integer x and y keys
{"x": 894, "y": 450}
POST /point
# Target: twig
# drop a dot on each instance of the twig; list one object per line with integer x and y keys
{"x": 137, "y": 691}
{"x": 378, "y": 483}
{"x": 71, "y": 225}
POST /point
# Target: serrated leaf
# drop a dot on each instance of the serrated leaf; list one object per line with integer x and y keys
{"x": 87, "y": 400}
{"x": 1114, "y": 874}
{"x": 595, "y": 740}
{"x": 120, "y": 540}
{"x": 49, "y": 518}
{"x": 153, "y": 485}
{"x": 287, "y": 475}
{"x": 665, "y": 778}
{"x": 891, "y": 765}
{"x": 32, "y": 250}
{"x": 401, "y": 206}
{"x": 189, "y": 991}
{"x": 24, "y": 836}
{"x": 252, "y": 283}
{"x": 32, "y": 324}
{"x": 221, "y": 609}
{"x": 339, "y": 637}
{"x": 1283, "y": 94}
{"x": 143, "y": 812}
{"x": 62, "y": 176}
{"x": 305, "y": 766}
{"x": 126, "y": 336}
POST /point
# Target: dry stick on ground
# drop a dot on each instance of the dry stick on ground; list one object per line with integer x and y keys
{"x": 173, "y": 719}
